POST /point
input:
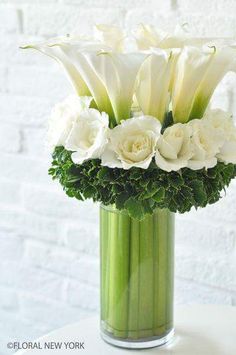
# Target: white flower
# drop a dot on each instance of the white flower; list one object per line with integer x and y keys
{"x": 174, "y": 148}
{"x": 190, "y": 68}
{"x": 112, "y": 36}
{"x": 62, "y": 117}
{"x": 224, "y": 133}
{"x": 204, "y": 145}
{"x": 88, "y": 135}
{"x": 152, "y": 92}
{"x": 118, "y": 73}
{"x": 222, "y": 123}
{"x": 148, "y": 36}
{"x": 96, "y": 70}
{"x": 227, "y": 152}
{"x": 132, "y": 143}
{"x": 197, "y": 74}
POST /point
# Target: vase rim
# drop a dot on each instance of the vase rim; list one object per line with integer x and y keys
{"x": 113, "y": 208}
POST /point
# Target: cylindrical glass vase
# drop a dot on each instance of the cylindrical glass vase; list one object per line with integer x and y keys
{"x": 137, "y": 278}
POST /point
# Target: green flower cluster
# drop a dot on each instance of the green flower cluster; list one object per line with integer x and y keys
{"x": 140, "y": 191}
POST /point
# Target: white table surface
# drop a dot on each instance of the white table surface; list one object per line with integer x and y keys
{"x": 200, "y": 330}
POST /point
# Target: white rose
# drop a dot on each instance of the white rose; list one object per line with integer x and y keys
{"x": 222, "y": 123}
{"x": 174, "y": 148}
{"x": 88, "y": 135}
{"x": 224, "y": 133}
{"x": 132, "y": 143}
{"x": 227, "y": 152}
{"x": 62, "y": 117}
{"x": 204, "y": 145}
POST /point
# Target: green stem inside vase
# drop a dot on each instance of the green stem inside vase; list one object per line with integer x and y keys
{"x": 133, "y": 320}
{"x": 146, "y": 295}
{"x": 136, "y": 274}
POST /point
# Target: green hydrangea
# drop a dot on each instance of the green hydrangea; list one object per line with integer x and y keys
{"x": 137, "y": 190}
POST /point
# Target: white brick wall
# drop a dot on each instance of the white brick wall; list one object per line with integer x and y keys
{"x": 49, "y": 263}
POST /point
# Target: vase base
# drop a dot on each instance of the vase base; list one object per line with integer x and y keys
{"x": 138, "y": 344}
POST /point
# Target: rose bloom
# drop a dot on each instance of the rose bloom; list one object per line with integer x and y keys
{"x": 62, "y": 117}
{"x": 88, "y": 135}
{"x": 224, "y": 132}
{"x": 204, "y": 144}
{"x": 132, "y": 143}
{"x": 227, "y": 152}
{"x": 174, "y": 148}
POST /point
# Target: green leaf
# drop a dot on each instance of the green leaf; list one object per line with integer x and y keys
{"x": 151, "y": 190}
{"x": 134, "y": 208}
{"x": 199, "y": 192}
{"x": 159, "y": 195}
{"x": 175, "y": 179}
{"x": 148, "y": 207}
{"x": 89, "y": 191}
{"x": 121, "y": 199}
{"x": 104, "y": 174}
{"x": 140, "y": 191}
{"x": 135, "y": 174}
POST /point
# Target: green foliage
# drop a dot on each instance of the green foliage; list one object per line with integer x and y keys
{"x": 141, "y": 191}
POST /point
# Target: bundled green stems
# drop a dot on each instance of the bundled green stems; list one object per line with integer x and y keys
{"x": 137, "y": 266}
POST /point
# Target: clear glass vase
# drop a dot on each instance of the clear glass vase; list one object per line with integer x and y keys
{"x": 137, "y": 278}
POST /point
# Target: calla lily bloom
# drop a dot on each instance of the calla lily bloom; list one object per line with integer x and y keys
{"x": 223, "y": 61}
{"x": 96, "y": 70}
{"x": 197, "y": 73}
{"x": 77, "y": 57}
{"x": 165, "y": 73}
{"x": 52, "y": 49}
{"x": 118, "y": 73}
{"x": 154, "y": 81}
{"x": 148, "y": 36}
{"x": 112, "y": 36}
{"x": 68, "y": 51}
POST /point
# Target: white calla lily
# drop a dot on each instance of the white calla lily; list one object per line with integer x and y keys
{"x": 148, "y": 36}
{"x": 154, "y": 79}
{"x": 113, "y": 36}
{"x": 189, "y": 71}
{"x": 118, "y": 73}
{"x": 223, "y": 60}
{"x": 109, "y": 77}
{"x": 186, "y": 76}
{"x": 68, "y": 51}
{"x": 198, "y": 72}
{"x": 52, "y": 49}
{"x": 90, "y": 77}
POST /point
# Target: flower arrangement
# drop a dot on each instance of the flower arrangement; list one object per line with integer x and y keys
{"x": 140, "y": 137}
{"x": 139, "y": 132}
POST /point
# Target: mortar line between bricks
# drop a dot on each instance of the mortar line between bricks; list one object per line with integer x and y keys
{"x": 50, "y": 301}
{"x": 200, "y": 283}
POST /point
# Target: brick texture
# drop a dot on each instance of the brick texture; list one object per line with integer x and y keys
{"x": 49, "y": 246}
